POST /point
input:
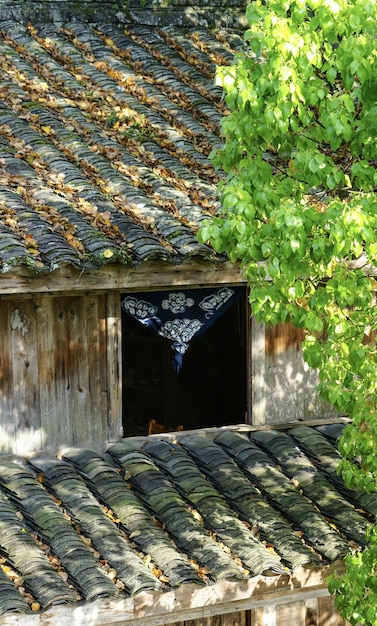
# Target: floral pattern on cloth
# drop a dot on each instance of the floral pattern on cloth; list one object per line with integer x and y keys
{"x": 213, "y": 302}
{"x": 177, "y": 302}
{"x": 180, "y": 330}
{"x": 180, "y": 315}
{"x": 139, "y": 308}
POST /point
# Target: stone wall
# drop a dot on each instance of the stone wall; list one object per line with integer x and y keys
{"x": 208, "y": 13}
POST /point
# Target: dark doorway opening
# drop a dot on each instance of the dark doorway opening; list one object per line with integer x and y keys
{"x": 209, "y": 391}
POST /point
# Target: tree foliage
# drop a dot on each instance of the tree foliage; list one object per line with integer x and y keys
{"x": 299, "y": 211}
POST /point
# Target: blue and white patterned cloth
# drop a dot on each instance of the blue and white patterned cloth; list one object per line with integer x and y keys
{"x": 179, "y": 315}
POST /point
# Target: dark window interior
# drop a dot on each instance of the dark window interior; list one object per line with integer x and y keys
{"x": 209, "y": 391}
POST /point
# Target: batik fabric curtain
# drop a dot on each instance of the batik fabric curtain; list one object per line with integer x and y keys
{"x": 180, "y": 315}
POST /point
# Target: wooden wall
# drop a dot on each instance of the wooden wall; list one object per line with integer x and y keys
{"x": 60, "y": 372}
{"x": 282, "y": 388}
{"x": 313, "y": 612}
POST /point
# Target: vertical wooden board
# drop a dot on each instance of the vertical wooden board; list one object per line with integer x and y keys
{"x": 87, "y": 368}
{"x": 114, "y": 365}
{"x": 314, "y": 406}
{"x": 328, "y": 615}
{"x": 252, "y": 618}
{"x": 103, "y": 367}
{"x": 249, "y": 370}
{"x": 63, "y": 316}
{"x": 53, "y": 375}
{"x": 74, "y": 347}
{"x": 96, "y": 432}
{"x": 234, "y": 619}
{"x": 205, "y": 621}
{"x": 258, "y": 372}
{"x": 291, "y": 386}
{"x": 284, "y": 373}
{"x": 26, "y": 413}
{"x": 292, "y": 613}
{"x": 262, "y": 617}
{"x": 256, "y": 617}
{"x": 78, "y": 394}
{"x": 311, "y": 612}
{"x": 7, "y": 422}
{"x": 90, "y": 340}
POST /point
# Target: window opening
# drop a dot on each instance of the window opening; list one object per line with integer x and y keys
{"x": 209, "y": 390}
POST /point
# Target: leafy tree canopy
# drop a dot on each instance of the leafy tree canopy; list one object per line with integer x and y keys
{"x": 299, "y": 206}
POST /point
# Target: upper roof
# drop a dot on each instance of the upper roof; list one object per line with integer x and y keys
{"x": 105, "y": 133}
{"x": 155, "y": 514}
{"x": 189, "y": 13}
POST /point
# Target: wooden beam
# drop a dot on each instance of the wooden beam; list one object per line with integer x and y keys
{"x": 148, "y": 276}
{"x": 189, "y": 601}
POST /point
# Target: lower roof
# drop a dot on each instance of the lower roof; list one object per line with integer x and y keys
{"x": 164, "y": 516}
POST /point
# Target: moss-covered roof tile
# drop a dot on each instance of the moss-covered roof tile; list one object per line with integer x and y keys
{"x": 105, "y": 135}
{"x": 153, "y": 514}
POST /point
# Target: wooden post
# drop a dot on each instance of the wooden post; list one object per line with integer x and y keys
{"x": 114, "y": 365}
{"x": 7, "y": 399}
{"x": 258, "y": 383}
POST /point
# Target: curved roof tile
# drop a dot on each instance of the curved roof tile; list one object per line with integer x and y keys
{"x": 153, "y": 514}
{"x": 104, "y": 141}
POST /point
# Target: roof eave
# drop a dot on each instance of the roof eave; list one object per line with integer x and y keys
{"x": 190, "y": 601}
{"x": 151, "y": 275}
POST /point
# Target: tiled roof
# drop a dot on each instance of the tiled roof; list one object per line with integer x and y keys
{"x": 153, "y": 514}
{"x": 104, "y": 141}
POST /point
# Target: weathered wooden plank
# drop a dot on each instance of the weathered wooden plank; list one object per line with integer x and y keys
{"x": 77, "y": 385}
{"x": 286, "y": 373}
{"x": 216, "y": 620}
{"x": 264, "y": 617}
{"x": 258, "y": 373}
{"x": 311, "y": 612}
{"x": 234, "y": 619}
{"x": 86, "y": 364}
{"x": 98, "y": 386}
{"x": 123, "y": 613}
{"x": 153, "y": 276}
{"x": 292, "y": 613}
{"x": 248, "y": 356}
{"x": 56, "y": 389}
{"x": 73, "y": 377}
{"x": 327, "y": 615}
{"x": 312, "y": 403}
{"x": 23, "y": 334}
{"x": 53, "y": 374}
{"x": 92, "y": 337}
{"x": 283, "y": 387}
{"x": 7, "y": 422}
{"x": 114, "y": 366}
{"x": 255, "y": 617}
{"x": 228, "y": 597}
